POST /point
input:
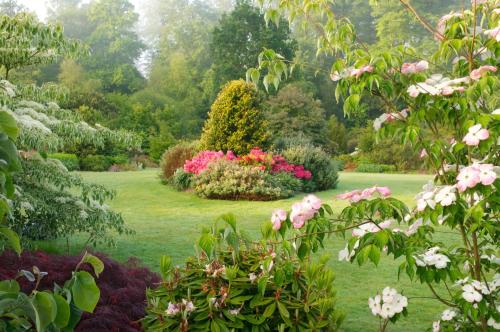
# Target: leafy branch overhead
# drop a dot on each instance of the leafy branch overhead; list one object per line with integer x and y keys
{"x": 25, "y": 42}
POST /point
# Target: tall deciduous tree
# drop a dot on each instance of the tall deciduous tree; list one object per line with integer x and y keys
{"x": 294, "y": 111}
{"x": 11, "y": 7}
{"x": 115, "y": 46}
{"x": 239, "y": 38}
{"x": 180, "y": 37}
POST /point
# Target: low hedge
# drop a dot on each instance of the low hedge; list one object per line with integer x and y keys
{"x": 375, "y": 168}
{"x": 96, "y": 163}
{"x": 69, "y": 160}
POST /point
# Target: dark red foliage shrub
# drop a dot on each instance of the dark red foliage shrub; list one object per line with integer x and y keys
{"x": 123, "y": 287}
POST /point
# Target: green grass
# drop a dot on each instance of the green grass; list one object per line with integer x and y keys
{"x": 169, "y": 222}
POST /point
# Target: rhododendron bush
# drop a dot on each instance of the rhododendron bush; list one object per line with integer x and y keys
{"x": 452, "y": 94}
{"x": 235, "y": 284}
{"x": 258, "y": 175}
{"x": 256, "y": 158}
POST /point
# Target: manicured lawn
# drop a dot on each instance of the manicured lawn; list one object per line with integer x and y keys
{"x": 168, "y": 222}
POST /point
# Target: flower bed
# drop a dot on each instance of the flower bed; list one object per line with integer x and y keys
{"x": 258, "y": 175}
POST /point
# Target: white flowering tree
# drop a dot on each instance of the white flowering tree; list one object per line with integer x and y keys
{"x": 453, "y": 95}
{"x": 46, "y": 200}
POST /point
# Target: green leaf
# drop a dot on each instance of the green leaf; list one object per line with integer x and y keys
{"x": 303, "y": 251}
{"x": 85, "y": 291}
{"x": 96, "y": 263}
{"x": 207, "y": 243}
{"x": 261, "y": 285}
{"x": 351, "y": 104}
{"x": 12, "y": 239}
{"x": 165, "y": 266}
{"x": 270, "y": 310}
{"x": 230, "y": 219}
{"x": 283, "y": 310}
{"x": 266, "y": 229}
{"x": 8, "y": 153}
{"x": 8, "y": 125}
{"x": 45, "y": 310}
{"x": 374, "y": 254}
{"x": 63, "y": 311}
{"x": 9, "y": 286}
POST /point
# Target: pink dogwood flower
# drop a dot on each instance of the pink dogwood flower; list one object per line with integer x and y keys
{"x": 304, "y": 211}
{"x": 353, "y": 196}
{"x": 371, "y": 228}
{"x": 300, "y": 214}
{"x": 312, "y": 201}
{"x": 475, "y": 135}
{"x": 415, "y": 67}
{"x": 468, "y": 177}
{"x": 476, "y": 74}
{"x": 359, "y": 71}
{"x": 423, "y": 153}
{"x": 487, "y": 174}
{"x": 493, "y": 33}
{"x": 277, "y": 218}
{"x": 358, "y": 195}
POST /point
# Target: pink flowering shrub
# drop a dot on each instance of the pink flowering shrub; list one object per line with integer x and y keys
{"x": 257, "y": 175}
{"x": 200, "y": 162}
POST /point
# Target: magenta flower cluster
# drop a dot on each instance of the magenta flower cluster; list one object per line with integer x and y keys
{"x": 281, "y": 165}
{"x": 256, "y": 158}
{"x": 201, "y": 161}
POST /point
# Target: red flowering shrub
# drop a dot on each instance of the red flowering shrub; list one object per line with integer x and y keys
{"x": 123, "y": 287}
{"x": 274, "y": 164}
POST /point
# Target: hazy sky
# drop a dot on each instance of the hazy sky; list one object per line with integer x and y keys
{"x": 39, "y": 6}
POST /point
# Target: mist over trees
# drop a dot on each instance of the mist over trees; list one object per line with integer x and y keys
{"x": 156, "y": 69}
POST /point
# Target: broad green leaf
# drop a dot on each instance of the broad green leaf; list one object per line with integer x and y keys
{"x": 8, "y": 125}
{"x": 374, "y": 254}
{"x": 230, "y": 219}
{"x": 12, "y": 239}
{"x": 96, "y": 263}
{"x": 63, "y": 311}
{"x": 207, "y": 243}
{"x": 45, "y": 310}
{"x": 8, "y": 153}
{"x": 9, "y": 286}
{"x": 85, "y": 291}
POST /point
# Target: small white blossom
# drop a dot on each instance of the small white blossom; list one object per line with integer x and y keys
{"x": 172, "y": 310}
{"x": 448, "y": 314}
{"x": 388, "y": 304}
{"x": 446, "y": 196}
{"x": 188, "y": 305}
{"x": 252, "y": 277}
{"x": 436, "y": 326}
{"x": 470, "y": 294}
{"x": 234, "y": 312}
{"x": 432, "y": 258}
{"x": 493, "y": 323}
